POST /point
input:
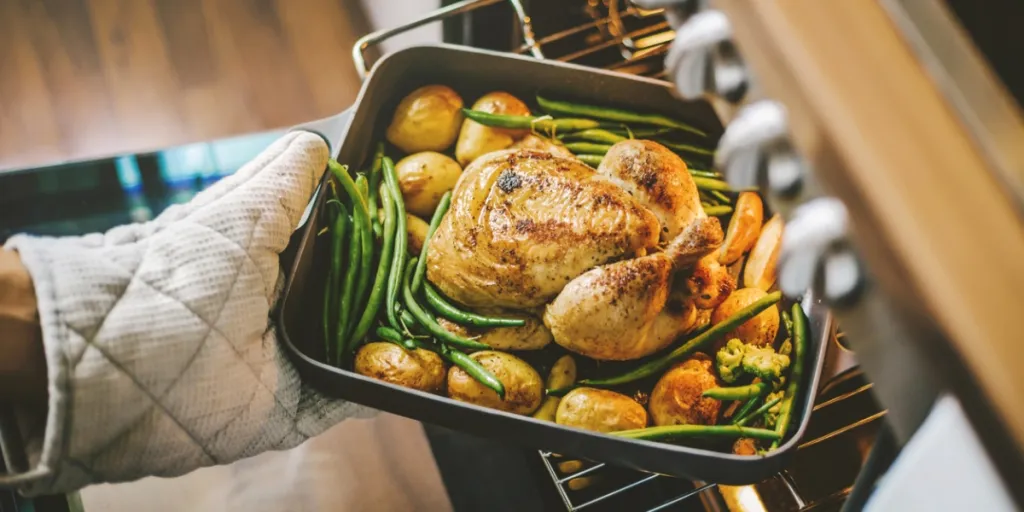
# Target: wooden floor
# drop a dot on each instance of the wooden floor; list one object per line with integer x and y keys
{"x": 87, "y": 78}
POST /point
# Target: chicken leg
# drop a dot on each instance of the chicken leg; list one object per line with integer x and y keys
{"x": 622, "y": 310}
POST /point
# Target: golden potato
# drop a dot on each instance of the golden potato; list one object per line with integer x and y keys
{"x": 523, "y": 386}
{"x": 563, "y": 373}
{"x": 420, "y": 369}
{"x": 476, "y": 139}
{"x": 600, "y": 410}
{"x": 532, "y": 336}
{"x": 744, "y": 227}
{"x": 745, "y": 446}
{"x": 428, "y": 119}
{"x": 424, "y": 178}
{"x": 677, "y": 400}
{"x": 760, "y": 330}
{"x": 417, "y": 230}
{"x": 760, "y": 269}
{"x": 709, "y": 282}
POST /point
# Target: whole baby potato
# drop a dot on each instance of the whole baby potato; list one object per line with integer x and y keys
{"x": 428, "y": 119}
{"x": 424, "y": 178}
{"x": 476, "y": 139}
{"x": 600, "y": 410}
{"x": 419, "y": 369}
{"x": 760, "y": 330}
{"x": 523, "y": 385}
{"x": 677, "y": 400}
{"x": 417, "y": 229}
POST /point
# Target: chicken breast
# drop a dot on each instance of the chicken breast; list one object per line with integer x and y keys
{"x": 524, "y": 223}
{"x": 658, "y": 178}
{"x": 622, "y": 311}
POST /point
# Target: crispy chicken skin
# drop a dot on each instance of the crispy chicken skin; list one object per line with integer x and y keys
{"x": 658, "y": 178}
{"x": 534, "y": 141}
{"x": 622, "y": 311}
{"x": 524, "y": 223}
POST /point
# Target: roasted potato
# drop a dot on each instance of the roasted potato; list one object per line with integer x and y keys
{"x": 563, "y": 373}
{"x": 523, "y": 386}
{"x": 709, "y": 282}
{"x": 532, "y": 336}
{"x": 677, "y": 400}
{"x": 428, "y": 119}
{"x": 743, "y": 227}
{"x": 745, "y": 446}
{"x": 476, "y": 139}
{"x": 760, "y": 330}
{"x": 760, "y": 269}
{"x": 419, "y": 369}
{"x": 424, "y": 178}
{"x": 600, "y": 410}
{"x": 417, "y": 229}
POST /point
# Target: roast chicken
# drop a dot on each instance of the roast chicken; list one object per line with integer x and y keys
{"x": 523, "y": 223}
{"x": 600, "y": 249}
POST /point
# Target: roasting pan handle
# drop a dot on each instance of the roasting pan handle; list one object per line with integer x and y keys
{"x": 375, "y": 38}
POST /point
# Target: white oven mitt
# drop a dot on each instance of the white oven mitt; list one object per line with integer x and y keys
{"x": 160, "y": 350}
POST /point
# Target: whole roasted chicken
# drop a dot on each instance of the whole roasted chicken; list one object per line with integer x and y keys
{"x": 601, "y": 249}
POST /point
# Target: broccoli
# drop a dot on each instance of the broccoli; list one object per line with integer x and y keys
{"x": 730, "y": 358}
{"x": 772, "y": 414}
{"x": 764, "y": 362}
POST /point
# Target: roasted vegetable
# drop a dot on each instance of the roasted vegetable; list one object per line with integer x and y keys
{"x": 763, "y": 362}
{"x": 600, "y": 410}
{"x": 417, "y": 229}
{"x": 541, "y": 124}
{"x": 563, "y": 373}
{"x": 612, "y": 114}
{"x": 729, "y": 360}
{"x": 476, "y": 139}
{"x": 523, "y": 385}
{"x": 532, "y": 335}
{"x": 672, "y": 432}
{"x": 428, "y": 119}
{"x": 377, "y": 290}
{"x": 677, "y": 397}
{"x": 760, "y": 269}
{"x": 744, "y": 228}
{"x": 418, "y": 369}
{"x": 421, "y": 264}
{"x": 425, "y": 178}
{"x": 796, "y": 375}
{"x": 760, "y": 330}
{"x": 450, "y": 311}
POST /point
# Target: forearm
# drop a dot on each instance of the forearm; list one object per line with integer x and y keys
{"x": 22, "y": 361}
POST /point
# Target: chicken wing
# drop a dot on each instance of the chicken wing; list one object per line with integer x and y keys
{"x": 524, "y": 223}
{"x": 623, "y": 310}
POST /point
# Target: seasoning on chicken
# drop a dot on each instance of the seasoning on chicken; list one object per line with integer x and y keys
{"x": 522, "y": 224}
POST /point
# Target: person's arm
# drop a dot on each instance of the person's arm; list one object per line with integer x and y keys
{"x": 22, "y": 361}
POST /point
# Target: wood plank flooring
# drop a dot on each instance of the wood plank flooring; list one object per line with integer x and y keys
{"x": 83, "y": 79}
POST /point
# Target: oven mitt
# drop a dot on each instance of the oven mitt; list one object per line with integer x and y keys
{"x": 161, "y": 354}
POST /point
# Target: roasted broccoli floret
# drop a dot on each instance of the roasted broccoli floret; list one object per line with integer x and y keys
{"x": 730, "y": 360}
{"x": 764, "y": 362}
{"x": 772, "y": 414}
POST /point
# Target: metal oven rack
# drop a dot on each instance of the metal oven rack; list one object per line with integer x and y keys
{"x": 618, "y": 35}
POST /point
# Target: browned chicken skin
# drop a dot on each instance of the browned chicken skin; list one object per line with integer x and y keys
{"x": 522, "y": 224}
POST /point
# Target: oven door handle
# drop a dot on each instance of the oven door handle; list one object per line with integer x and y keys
{"x": 465, "y": 6}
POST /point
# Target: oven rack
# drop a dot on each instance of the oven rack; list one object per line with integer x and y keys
{"x": 702, "y": 495}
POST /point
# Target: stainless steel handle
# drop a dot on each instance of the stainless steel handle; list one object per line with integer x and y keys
{"x": 816, "y": 255}
{"x": 375, "y": 38}
{"x": 703, "y": 59}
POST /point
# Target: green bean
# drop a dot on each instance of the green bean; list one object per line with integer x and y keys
{"x": 389, "y": 334}
{"x": 787, "y": 321}
{"x": 401, "y": 240}
{"x": 362, "y": 242}
{"x": 542, "y": 123}
{"x": 741, "y": 421}
{"x": 711, "y": 184}
{"x": 660, "y": 364}
{"x": 687, "y": 431}
{"x": 737, "y": 392}
{"x": 348, "y": 287}
{"x": 449, "y": 311}
{"x": 591, "y": 160}
{"x": 366, "y": 250}
{"x": 721, "y": 197}
{"x": 435, "y": 221}
{"x": 704, "y": 174}
{"x": 594, "y": 135}
{"x": 383, "y": 266}
{"x": 589, "y": 148}
{"x": 473, "y": 368}
{"x": 685, "y": 148}
{"x": 338, "y": 231}
{"x": 613, "y": 114}
{"x": 378, "y": 155}
{"x": 427, "y": 322}
{"x": 795, "y": 374}
{"x": 636, "y": 132}
{"x": 717, "y": 211}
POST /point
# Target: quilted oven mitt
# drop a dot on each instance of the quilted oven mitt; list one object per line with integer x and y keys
{"x": 160, "y": 350}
